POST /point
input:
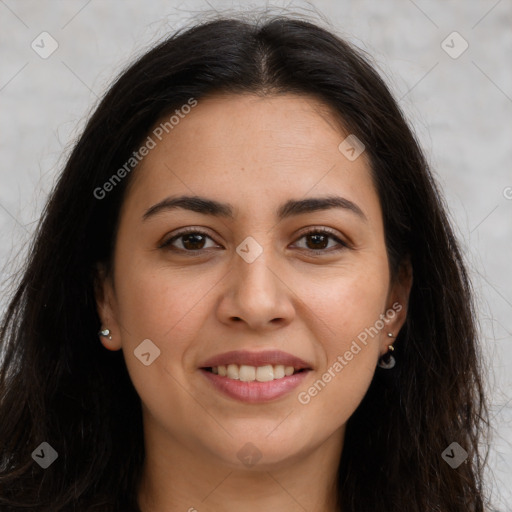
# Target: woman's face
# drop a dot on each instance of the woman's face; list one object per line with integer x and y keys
{"x": 251, "y": 289}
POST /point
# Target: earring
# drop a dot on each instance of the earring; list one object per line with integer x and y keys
{"x": 106, "y": 333}
{"x": 387, "y": 361}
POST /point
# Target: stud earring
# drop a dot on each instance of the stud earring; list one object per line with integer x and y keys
{"x": 387, "y": 361}
{"x": 106, "y": 333}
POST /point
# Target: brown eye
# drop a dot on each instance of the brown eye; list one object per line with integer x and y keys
{"x": 190, "y": 241}
{"x": 317, "y": 240}
{"x": 193, "y": 240}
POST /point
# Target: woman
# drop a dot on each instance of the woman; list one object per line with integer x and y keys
{"x": 244, "y": 294}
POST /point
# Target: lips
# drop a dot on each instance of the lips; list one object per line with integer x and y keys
{"x": 255, "y": 377}
{"x": 247, "y": 358}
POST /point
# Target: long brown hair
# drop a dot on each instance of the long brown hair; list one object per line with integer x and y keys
{"x": 58, "y": 384}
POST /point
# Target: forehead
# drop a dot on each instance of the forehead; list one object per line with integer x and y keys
{"x": 256, "y": 149}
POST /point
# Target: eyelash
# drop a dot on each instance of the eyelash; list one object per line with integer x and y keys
{"x": 314, "y": 231}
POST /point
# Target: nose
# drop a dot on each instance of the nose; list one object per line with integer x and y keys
{"x": 256, "y": 295}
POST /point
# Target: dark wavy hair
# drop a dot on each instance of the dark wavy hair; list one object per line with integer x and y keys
{"x": 59, "y": 385}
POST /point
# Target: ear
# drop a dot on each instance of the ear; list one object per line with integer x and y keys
{"x": 397, "y": 302}
{"x": 106, "y": 306}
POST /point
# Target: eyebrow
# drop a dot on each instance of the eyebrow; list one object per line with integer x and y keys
{"x": 291, "y": 208}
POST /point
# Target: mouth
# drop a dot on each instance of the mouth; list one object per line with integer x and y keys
{"x": 248, "y": 373}
{"x": 255, "y": 376}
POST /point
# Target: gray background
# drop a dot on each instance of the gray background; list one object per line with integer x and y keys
{"x": 460, "y": 108}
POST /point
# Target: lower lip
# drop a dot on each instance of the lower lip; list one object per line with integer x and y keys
{"x": 255, "y": 392}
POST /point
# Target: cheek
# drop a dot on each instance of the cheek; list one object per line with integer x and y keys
{"x": 345, "y": 314}
{"x": 157, "y": 301}
{"x": 167, "y": 307}
{"x": 343, "y": 304}
{"x": 334, "y": 396}
{"x": 164, "y": 309}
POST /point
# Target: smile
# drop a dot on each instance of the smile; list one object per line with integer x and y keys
{"x": 255, "y": 377}
{"x": 247, "y": 373}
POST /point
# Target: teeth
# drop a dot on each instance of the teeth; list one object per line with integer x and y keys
{"x": 264, "y": 373}
{"x": 279, "y": 371}
{"x": 246, "y": 373}
{"x": 233, "y": 372}
{"x": 288, "y": 370}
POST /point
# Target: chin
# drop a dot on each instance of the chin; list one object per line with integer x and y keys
{"x": 259, "y": 451}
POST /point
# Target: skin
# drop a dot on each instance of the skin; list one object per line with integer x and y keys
{"x": 254, "y": 152}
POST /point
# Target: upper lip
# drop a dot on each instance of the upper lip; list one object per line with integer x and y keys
{"x": 245, "y": 357}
